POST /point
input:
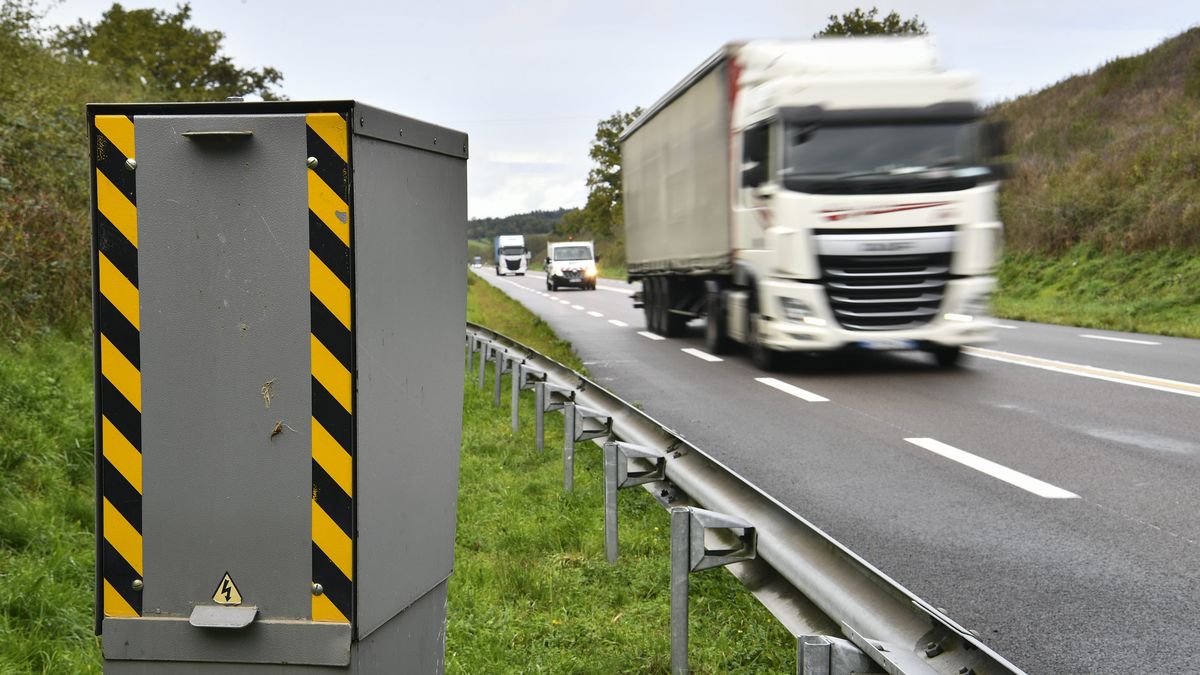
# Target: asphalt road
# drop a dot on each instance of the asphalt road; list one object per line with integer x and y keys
{"x": 1045, "y": 493}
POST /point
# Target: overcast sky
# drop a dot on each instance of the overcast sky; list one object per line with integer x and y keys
{"x": 529, "y": 80}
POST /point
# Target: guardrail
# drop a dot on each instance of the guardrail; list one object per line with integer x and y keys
{"x": 846, "y": 615}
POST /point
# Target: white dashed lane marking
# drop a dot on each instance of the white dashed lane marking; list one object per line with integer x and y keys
{"x": 1010, "y": 476}
{"x": 792, "y": 389}
{"x": 704, "y": 356}
{"x": 1117, "y": 339}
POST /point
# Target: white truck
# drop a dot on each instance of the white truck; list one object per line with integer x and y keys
{"x": 571, "y": 263}
{"x": 511, "y": 255}
{"x": 816, "y": 195}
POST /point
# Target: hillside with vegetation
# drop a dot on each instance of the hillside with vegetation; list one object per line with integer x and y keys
{"x": 47, "y": 75}
{"x": 530, "y": 222}
{"x": 1102, "y": 212}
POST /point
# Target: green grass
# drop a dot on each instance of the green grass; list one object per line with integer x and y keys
{"x": 532, "y": 590}
{"x": 1155, "y": 291}
{"x": 46, "y": 508}
{"x": 488, "y": 306}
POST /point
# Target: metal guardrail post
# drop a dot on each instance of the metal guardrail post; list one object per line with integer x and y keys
{"x": 523, "y": 377}
{"x": 502, "y": 364}
{"x": 617, "y": 475}
{"x": 580, "y": 424}
{"x": 689, "y": 554}
{"x": 475, "y": 345}
{"x": 484, "y": 349}
{"x": 549, "y": 397}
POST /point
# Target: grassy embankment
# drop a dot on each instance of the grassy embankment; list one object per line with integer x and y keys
{"x": 46, "y": 507}
{"x": 531, "y": 590}
{"x": 1102, "y": 213}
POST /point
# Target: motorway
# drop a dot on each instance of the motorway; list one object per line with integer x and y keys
{"x": 1045, "y": 493}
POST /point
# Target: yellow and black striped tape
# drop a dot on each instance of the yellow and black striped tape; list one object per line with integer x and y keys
{"x": 332, "y": 343}
{"x": 119, "y": 387}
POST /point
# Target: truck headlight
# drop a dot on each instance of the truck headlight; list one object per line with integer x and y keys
{"x": 795, "y": 310}
{"x": 590, "y": 271}
{"x": 976, "y": 305}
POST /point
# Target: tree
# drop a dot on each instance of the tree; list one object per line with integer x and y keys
{"x": 601, "y": 217}
{"x": 176, "y": 60}
{"x": 859, "y": 22}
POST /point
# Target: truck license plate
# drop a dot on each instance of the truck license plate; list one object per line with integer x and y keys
{"x": 887, "y": 344}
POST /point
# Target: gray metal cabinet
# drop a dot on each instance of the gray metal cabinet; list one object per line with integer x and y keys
{"x": 279, "y": 302}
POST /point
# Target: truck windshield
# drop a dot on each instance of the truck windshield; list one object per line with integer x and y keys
{"x": 814, "y": 151}
{"x": 512, "y": 250}
{"x": 572, "y": 253}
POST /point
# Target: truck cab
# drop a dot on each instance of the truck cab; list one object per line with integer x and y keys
{"x": 571, "y": 263}
{"x": 817, "y": 195}
{"x": 511, "y": 255}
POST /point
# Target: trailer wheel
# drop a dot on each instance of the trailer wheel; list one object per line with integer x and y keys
{"x": 716, "y": 334}
{"x": 654, "y": 305}
{"x": 672, "y": 324}
{"x": 763, "y": 356}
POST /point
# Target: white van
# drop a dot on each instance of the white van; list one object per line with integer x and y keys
{"x": 571, "y": 263}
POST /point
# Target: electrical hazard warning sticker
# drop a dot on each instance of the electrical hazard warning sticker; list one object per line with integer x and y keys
{"x": 227, "y": 592}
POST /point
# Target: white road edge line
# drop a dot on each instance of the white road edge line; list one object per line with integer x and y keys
{"x": 1144, "y": 381}
{"x": 792, "y": 389}
{"x": 618, "y": 323}
{"x": 703, "y": 356}
{"x": 652, "y": 336}
{"x": 598, "y": 315}
{"x": 575, "y": 306}
{"x": 1117, "y": 339}
{"x": 1010, "y": 476}
{"x": 564, "y": 302}
{"x": 1005, "y": 326}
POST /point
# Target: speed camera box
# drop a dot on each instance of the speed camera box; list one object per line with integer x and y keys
{"x": 279, "y": 300}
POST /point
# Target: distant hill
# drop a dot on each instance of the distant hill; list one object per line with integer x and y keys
{"x": 1109, "y": 159}
{"x": 532, "y": 222}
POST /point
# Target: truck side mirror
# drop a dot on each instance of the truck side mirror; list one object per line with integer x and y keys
{"x": 995, "y": 139}
{"x": 595, "y": 258}
{"x": 754, "y": 175}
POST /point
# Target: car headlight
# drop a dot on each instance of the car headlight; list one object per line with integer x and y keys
{"x": 589, "y": 271}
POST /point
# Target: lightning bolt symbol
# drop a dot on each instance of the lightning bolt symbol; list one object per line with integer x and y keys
{"x": 225, "y": 589}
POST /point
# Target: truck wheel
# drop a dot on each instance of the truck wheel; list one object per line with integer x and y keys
{"x": 652, "y": 303}
{"x": 672, "y": 324}
{"x": 716, "y": 337}
{"x": 763, "y": 356}
{"x": 648, "y": 303}
{"x": 946, "y": 357}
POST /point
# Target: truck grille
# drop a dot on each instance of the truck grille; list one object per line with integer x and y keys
{"x": 885, "y": 292}
{"x": 512, "y": 264}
